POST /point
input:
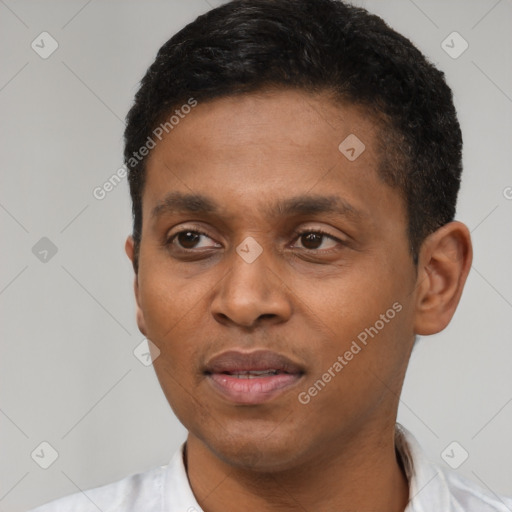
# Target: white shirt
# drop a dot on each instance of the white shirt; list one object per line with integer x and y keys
{"x": 166, "y": 489}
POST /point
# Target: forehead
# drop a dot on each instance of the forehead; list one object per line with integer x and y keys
{"x": 275, "y": 120}
{"x": 260, "y": 147}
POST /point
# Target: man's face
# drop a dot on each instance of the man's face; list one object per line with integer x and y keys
{"x": 247, "y": 273}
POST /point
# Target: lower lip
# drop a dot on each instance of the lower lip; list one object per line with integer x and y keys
{"x": 252, "y": 391}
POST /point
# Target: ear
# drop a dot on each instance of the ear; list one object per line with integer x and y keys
{"x": 129, "y": 248}
{"x": 443, "y": 266}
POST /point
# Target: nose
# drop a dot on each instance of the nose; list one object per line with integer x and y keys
{"x": 251, "y": 293}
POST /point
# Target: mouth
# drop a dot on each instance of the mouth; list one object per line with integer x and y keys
{"x": 250, "y": 378}
{"x": 253, "y": 374}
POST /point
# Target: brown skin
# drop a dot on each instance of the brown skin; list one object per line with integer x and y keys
{"x": 245, "y": 153}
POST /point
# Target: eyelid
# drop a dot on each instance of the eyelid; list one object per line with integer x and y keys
{"x": 309, "y": 229}
{"x": 319, "y": 231}
{"x": 169, "y": 238}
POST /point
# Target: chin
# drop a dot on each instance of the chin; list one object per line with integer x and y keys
{"x": 254, "y": 449}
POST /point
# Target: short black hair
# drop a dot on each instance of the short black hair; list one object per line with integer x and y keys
{"x": 247, "y": 46}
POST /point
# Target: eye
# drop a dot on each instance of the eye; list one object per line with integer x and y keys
{"x": 188, "y": 239}
{"x": 312, "y": 240}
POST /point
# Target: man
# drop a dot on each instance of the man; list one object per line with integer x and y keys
{"x": 294, "y": 168}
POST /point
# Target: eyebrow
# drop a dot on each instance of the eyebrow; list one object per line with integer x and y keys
{"x": 306, "y": 204}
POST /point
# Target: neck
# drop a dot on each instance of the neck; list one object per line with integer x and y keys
{"x": 364, "y": 474}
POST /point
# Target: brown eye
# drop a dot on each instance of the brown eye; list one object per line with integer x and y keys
{"x": 313, "y": 240}
{"x": 188, "y": 239}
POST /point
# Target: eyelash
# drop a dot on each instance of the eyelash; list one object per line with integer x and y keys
{"x": 297, "y": 234}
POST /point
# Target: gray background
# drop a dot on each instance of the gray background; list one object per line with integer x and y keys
{"x": 68, "y": 372}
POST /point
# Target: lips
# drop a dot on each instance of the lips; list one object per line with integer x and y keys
{"x": 254, "y": 374}
{"x": 252, "y": 377}
{"x": 235, "y": 362}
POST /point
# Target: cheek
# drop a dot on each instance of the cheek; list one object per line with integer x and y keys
{"x": 356, "y": 381}
{"x": 349, "y": 301}
{"x": 364, "y": 321}
{"x": 170, "y": 328}
{"x": 166, "y": 301}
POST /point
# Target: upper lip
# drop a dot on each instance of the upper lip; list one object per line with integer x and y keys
{"x": 233, "y": 361}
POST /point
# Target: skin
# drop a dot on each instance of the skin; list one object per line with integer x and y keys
{"x": 247, "y": 153}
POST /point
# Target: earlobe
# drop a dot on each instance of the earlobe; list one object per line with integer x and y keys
{"x": 141, "y": 323}
{"x": 444, "y": 264}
